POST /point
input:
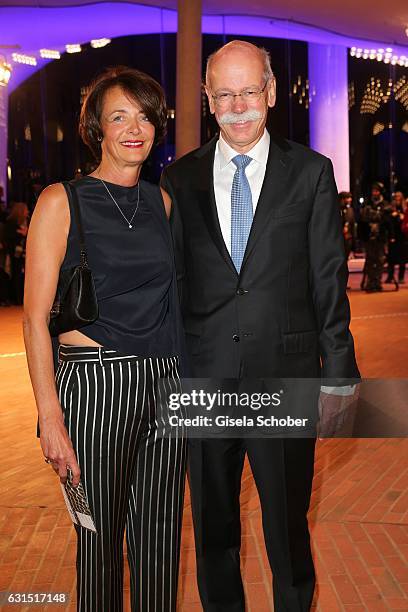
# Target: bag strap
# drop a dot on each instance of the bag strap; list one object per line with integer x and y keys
{"x": 74, "y": 201}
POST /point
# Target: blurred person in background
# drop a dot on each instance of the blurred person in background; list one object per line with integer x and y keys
{"x": 3, "y": 205}
{"x": 35, "y": 187}
{"x": 397, "y": 241}
{"x": 373, "y": 230}
{"x": 4, "y": 257}
{"x": 348, "y": 220}
{"x": 400, "y": 201}
{"x": 404, "y": 228}
{"x": 14, "y": 236}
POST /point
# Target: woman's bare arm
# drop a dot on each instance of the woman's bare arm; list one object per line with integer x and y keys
{"x": 46, "y": 246}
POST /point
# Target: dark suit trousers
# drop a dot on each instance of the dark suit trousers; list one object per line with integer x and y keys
{"x": 283, "y": 473}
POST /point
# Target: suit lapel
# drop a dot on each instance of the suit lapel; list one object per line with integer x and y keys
{"x": 273, "y": 192}
{"x": 206, "y": 197}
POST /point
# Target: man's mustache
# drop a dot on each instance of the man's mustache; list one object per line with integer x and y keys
{"x": 249, "y": 115}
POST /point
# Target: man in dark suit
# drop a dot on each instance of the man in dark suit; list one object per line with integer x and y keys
{"x": 262, "y": 271}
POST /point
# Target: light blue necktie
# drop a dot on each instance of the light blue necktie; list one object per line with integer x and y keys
{"x": 241, "y": 210}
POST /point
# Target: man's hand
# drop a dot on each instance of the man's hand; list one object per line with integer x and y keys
{"x": 334, "y": 411}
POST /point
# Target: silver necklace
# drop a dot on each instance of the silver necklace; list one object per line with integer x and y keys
{"x": 128, "y": 221}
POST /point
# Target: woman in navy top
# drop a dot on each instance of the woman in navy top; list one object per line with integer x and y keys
{"x": 102, "y": 416}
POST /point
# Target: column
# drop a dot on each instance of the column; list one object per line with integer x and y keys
{"x": 328, "y": 112}
{"x": 188, "y": 91}
{"x": 3, "y": 139}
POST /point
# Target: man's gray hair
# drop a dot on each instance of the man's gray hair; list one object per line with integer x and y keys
{"x": 265, "y": 55}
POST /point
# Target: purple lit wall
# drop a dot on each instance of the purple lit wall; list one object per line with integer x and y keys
{"x": 328, "y": 113}
{"x": 36, "y": 28}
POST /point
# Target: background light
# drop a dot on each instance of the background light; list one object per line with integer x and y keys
{"x": 5, "y": 73}
{"x": 48, "y": 28}
{"x": 73, "y": 48}
{"x": 100, "y": 42}
{"x": 380, "y": 55}
{"x": 50, "y": 54}
{"x": 19, "y": 58}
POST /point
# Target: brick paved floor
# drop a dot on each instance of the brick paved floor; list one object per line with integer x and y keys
{"x": 358, "y": 512}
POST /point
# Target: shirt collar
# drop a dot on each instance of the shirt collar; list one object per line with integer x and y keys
{"x": 259, "y": 152}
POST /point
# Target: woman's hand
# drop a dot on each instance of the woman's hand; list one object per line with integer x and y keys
{"x": 57, "y": 448}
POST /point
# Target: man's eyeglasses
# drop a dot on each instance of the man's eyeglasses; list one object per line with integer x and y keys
{"x": 250, "y": 95}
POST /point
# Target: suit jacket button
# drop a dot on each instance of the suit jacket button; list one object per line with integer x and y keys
{"x": 241, "y": 291}
{"x": 235, "y": 338}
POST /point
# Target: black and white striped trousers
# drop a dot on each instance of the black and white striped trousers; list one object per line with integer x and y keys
{"x": 133, "y": 476}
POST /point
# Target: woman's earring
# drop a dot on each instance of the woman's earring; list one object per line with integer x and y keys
{"x": 99, "y": 138}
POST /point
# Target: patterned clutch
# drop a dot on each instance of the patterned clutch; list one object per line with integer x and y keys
{"x": 77, "y": 504}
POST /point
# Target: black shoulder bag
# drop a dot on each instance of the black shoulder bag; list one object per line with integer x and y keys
{"x": 75, "y": 304}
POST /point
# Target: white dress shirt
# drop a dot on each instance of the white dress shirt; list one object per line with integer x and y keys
{"x": 224, "y": 170}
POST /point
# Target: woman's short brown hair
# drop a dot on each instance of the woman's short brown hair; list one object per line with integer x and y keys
{"x": 139, "y": 86}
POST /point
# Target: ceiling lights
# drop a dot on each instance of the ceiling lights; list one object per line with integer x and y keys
{"x": 381, "y": 55}
{"x": 50, "y": 54}
{"x": 100, "y": 42}
{"x": 73, "y": 48}
{"x": 54, "y": 54}
{"x": 19, "y": 58}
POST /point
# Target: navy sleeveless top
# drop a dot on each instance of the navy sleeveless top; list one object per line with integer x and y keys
{"x": 133, "y": 269}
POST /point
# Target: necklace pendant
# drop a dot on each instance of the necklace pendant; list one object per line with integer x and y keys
{"x": 128, "y": 221}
